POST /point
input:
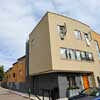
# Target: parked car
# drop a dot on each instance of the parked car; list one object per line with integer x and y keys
{"x": 88, "y": 94}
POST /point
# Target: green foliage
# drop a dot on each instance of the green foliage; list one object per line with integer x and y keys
{"x": 1, "y": 73}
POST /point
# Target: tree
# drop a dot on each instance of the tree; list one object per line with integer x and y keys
{"x": 1, "y": 73}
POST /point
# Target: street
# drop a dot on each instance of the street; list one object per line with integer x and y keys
{"x": 7, "y": 95}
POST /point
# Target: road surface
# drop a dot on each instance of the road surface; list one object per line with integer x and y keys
{"x": 7, "y": 95}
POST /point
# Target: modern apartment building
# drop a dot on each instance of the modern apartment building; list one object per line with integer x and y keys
{"x": 62, "y": 56}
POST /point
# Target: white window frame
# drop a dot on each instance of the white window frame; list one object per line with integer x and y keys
{"x": 88, "y": 38}
{"x": 62, "y": 33}
{"x": 63, "y": 53}
{"x": 98, "y": 49}
{"x": 90, "y": 56}
{"x": 83, "y": 55}
{"x": 72, "y": 54}
{"x": 78, "y": 55}
{"x": 77, "y": 34}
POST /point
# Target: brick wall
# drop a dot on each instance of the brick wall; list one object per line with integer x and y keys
{"x": 17, "y": 73}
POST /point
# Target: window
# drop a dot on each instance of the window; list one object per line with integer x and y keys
{"x": 77, "y": 34}
{"x": 68, "y": 54}
{"x": 63, "y": 53}
{"x": 83, "y": 56}
{"x": 90, "y": 56}
{"x": 87, "y": 37}
{"x": 62, "y": 31}
{"x": 87, "y": 56}
{"x": 97, "y": 46}
{"x": 98, "y": 79}
{"x": 78, "y": 56}
{"x": 14, "y": 75}
{"x": 72, "y": 81}
{"x": 98, "y": 49}
{"x": 72, "y": 54}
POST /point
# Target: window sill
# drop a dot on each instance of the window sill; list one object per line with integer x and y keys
{"x": 78, "y": 60}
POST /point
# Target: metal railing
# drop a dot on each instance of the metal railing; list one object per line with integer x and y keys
{"x": 41, "y": 94}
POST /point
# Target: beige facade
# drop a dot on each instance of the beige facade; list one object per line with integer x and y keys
{"x": 45, "y": 44}
{"x": 40, "y": 50}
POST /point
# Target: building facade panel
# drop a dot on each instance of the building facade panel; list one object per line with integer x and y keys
{"x": 39, "y": 48}
{"x": 70, "y": 42}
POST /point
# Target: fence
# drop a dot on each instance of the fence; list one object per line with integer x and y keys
{"x": 40, "y": 94}
{"x": 43, "y": 94}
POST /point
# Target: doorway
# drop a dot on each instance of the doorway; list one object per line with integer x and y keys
{"x": 85, "y": 82}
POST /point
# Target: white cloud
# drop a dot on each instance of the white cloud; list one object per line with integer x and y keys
{"x": 85, "y": 11}
{"x": 16, "y": 22}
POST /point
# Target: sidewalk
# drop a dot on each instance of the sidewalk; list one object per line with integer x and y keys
{"x": 25, "y": 95}
{"x": 4, "y": 91}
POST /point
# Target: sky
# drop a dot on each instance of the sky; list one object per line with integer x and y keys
{"x": 19, "y": 17}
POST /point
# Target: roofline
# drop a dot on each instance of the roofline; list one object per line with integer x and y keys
{"x": 96, "y": 33}
{"x": 68, "y": 18}
{"x": 58, "y": 15}
{"x": 21, "y": 57}
{"x": 15, "y": 63}
{"x": 39, "y": 22}
{"x": 9, "y": 69}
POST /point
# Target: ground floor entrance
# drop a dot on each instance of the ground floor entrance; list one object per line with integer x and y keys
{"x": 86, "y": 81}
{"x": 61, "y": 84}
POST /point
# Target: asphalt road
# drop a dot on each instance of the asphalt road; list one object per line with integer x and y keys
{"x": 7, "y": 95}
